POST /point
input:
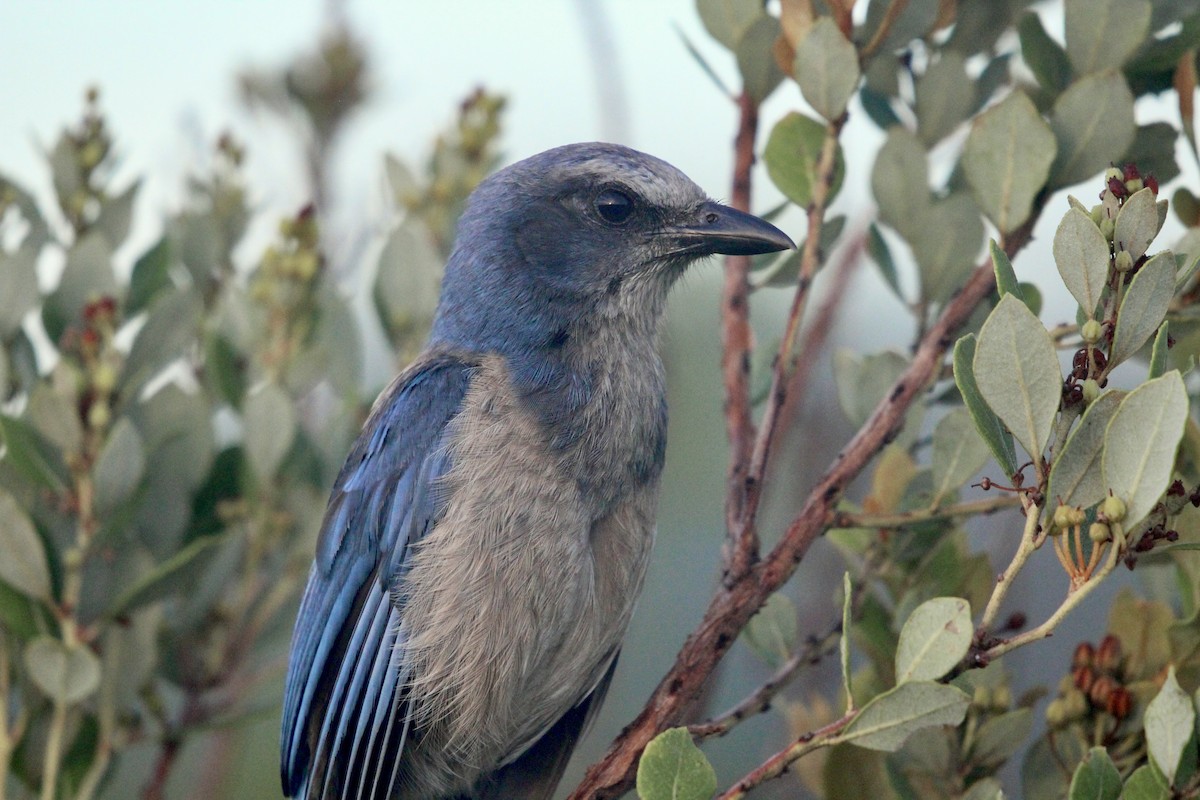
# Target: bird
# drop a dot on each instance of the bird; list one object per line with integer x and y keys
{"x": 485, "y": 542}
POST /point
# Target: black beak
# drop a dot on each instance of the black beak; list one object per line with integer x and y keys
{"x": 727, "y": 231}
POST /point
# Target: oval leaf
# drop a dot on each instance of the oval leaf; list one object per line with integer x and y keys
{"x": 1103, "y": 34}
{"x": 120, "y": 467}
{"x": 64, "y": 674}
{"x": 1144, "y": 306}
{"x": 23, "y": 565}
{"x": 756, "y": 58}
{"x": 945, "y": 97}
{"x": 993, "y": 432}
{"x": 1007, "y": 159}
{"x": 1017, "y": 373}
{"x": 890, "y": 718}
{"x": 1076, "y": 478}
{"x": 1096, "y": 778}
{"x": 900, "y": 182}
{"x": 772, "y": 632}
{"x": 945, "y": 245}
{"x": 1170, "y": 719}
{"x": 934, "y": 639}
{"x": 673, "y": 768}
{"x": 958, "y": 452}
{"x": 791, "y": 155}
{"x": 826, "y": 68}
{"x": 270, "y": 426}
{"x": 1137, "y": 224}
{"x": 1094, "y": 126}
{"x": 1140, "y": 443}
{"x": 1082, "y": 255}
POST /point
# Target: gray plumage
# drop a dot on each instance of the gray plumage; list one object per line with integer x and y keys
{"x": 486, "y": 540}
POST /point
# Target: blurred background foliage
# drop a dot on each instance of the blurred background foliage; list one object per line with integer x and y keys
{"x": 171, "y": 430}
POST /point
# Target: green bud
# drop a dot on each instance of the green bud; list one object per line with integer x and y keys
{"x": 1056, "y": 713}
{"x": 1113, "y": 172}
{"x": 1107, "y": 227}
{"x": 1097, "y": 213}
{"x": 99, "y": 415}
{"x": 1091, "y": 331}
{"x": 1133, "y": 185}
{"x": 1099, "y": 532}
{"x": 1091, "y": 390}
{"x": 1123, "y": 262}
{"x": 1001, "y": 698}
{"x": 104, "y": 377}
{"x": 1113, "y": 508}
{"x": 982, "y": 697}
{"x": 1062, "y": 518}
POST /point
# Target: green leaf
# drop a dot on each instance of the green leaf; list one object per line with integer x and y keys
{"x": 916, "y": 18}
{"x": 169, "y": 332}
{"x": 32, "y": 455}
{"x": 1143, "y": 307}
{"x": 945, "y": 245}
{"x": 844, "y": 643}
{"x": 826, "y": 68}
{"x": 862, "y": 380}
{"x": 1169, "y": 723}
{"x": 772, "y": 632}
{"x": 1103, "y": 34}
{"x": 1006, "y": 277}
{"x": 1137, "y": 225}
{"x": 64, "y": 674}
{"x": 1153, "y": 150}
{"x": 1076, "y": 478}
{"x": 1017, "y": 373}
{"x": 151, "y": 275}
{"x": 1000, "y": 737}
{"x": 881, "y": 256}
{"x": 945, "y": 97}
{"x": 958, "y": 453}
{"x": 166, "y": 578}
{"x": 993, "y": 433}
{"x": 791, "y": 155}
{"x": 1007, "y": 159}
{"x": 24, "y": 566}
{"x": 1096, "y": 778}
{"x": 900, "y": 182}
{"x": 269, "y": 423}
{"x": 1082, "y": 255}
{"x": 728, "y": 20}
{"x": 115, "y": 215}
{"x": 223, "y": 366}
{"x": 890, "y": 718}
{"x": 673, "y": 768}
{"x": 756, "y": 58}
{"x": 1045, "y": 57}
{"x": 1146, "y": 783}
{"x": 1158, "y": 353}
{"x": 88, "y": 275}
{"x": 1140, "y": 443}
{"x": 934, "y": 639}
{"x": 56, "y": 416}
{"x": 18, "y": 288}
{"x": 406, "y": 282}
{"x": 119, "y": 469}
{"x": 986, "y": 789}
{"x": 1093, "y": 124}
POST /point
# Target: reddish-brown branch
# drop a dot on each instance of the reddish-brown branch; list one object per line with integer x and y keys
{"x": 734, "y": 603}
{"x": 737, "y": 343}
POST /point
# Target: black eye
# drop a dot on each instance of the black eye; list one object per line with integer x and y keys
{"x": 614, "y": 207}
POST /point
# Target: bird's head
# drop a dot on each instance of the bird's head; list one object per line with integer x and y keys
{"x": 577, "y": 233}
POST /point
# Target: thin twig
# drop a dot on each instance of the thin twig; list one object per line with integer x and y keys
{"x": 777, "y": 764}
{"x": 734, "y": 603}
{"x": 902, "y": 519}
{"x": 737, "y": 343}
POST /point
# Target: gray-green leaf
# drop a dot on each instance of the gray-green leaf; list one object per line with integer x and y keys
{"x": 1076, "y": 478}
{"x": 945, "y": 96}
{"x": 1094, "y": 125}
{"x": 1103, "y": 34}
{"x": 1140, "y": 443}
{"x": 1137, "y": 225}
{"x": 24, "y": 565}
{"x": 890, "y": 718}
{"x": 1143, "y": 307}
{"x": 1082, "y": 256}
{"x": 772, "y": 632}
{"x": 756, "y": 58}
{"x": 1017, "y": 373}
{"x": 673, "y": 768}
{"x": 18, "y": 288}
{"x": 1096, "y": 778}
{"x": 826, "y": 68}
{"x": 791, "y": 156}
{"x": 900, "y": 182}
{"x": 728, "y": 20}
{"x": 120, "y": 467}
{"x": 1170, "y": 720}
{"x": 994, "y": 434}
{"x": 958, "y": 453}
{"x": 1007, "y": 159}
{"x": 934, "y": 638}
{"x": 64, "y": 674}
{"x": 270, "y": 426}
{"x": 945, "y": 245}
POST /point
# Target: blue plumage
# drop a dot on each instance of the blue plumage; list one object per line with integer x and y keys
{"x": 487, "y": 537}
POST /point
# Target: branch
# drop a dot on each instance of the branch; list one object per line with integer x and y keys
{"x": 777, "y": 764}
{"x": 733, "y": 604}
{"x": 902, "y": 519}
{"x": 737, "y": 342}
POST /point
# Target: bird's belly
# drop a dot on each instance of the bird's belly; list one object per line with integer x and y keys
{"x": 517, "y": 600}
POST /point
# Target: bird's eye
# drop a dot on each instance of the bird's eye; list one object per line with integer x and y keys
{"x": 614, "y": 207}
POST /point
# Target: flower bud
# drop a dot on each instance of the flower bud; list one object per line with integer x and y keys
{"x": 1107, "y": 227}
{"x": 1133, "y": 184}
{"x": 99, "y": 415}
{"x": 1102, "y": 688}
{"x": 1091, "y": 331}
{"x": 1120, "y": 703}
{"x": 1113, "y": 172}
{"x": 1108, "y": 655}
{"x": 1083, "y": 656}
{"x": 1097, "y": 213}
{"x": 1091, "y": 390}
{"x": 1098, "y": 532}
{"x": 104, "y": 377}
{"x": 1113, "y": 508}
{"x": 1123, "y": 262}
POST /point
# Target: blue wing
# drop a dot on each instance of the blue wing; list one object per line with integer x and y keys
{"x": 342, "y": 716}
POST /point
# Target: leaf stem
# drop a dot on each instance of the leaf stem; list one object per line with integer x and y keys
{"x": 777, "y": 764}
{"x": 1005, "y": 579}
